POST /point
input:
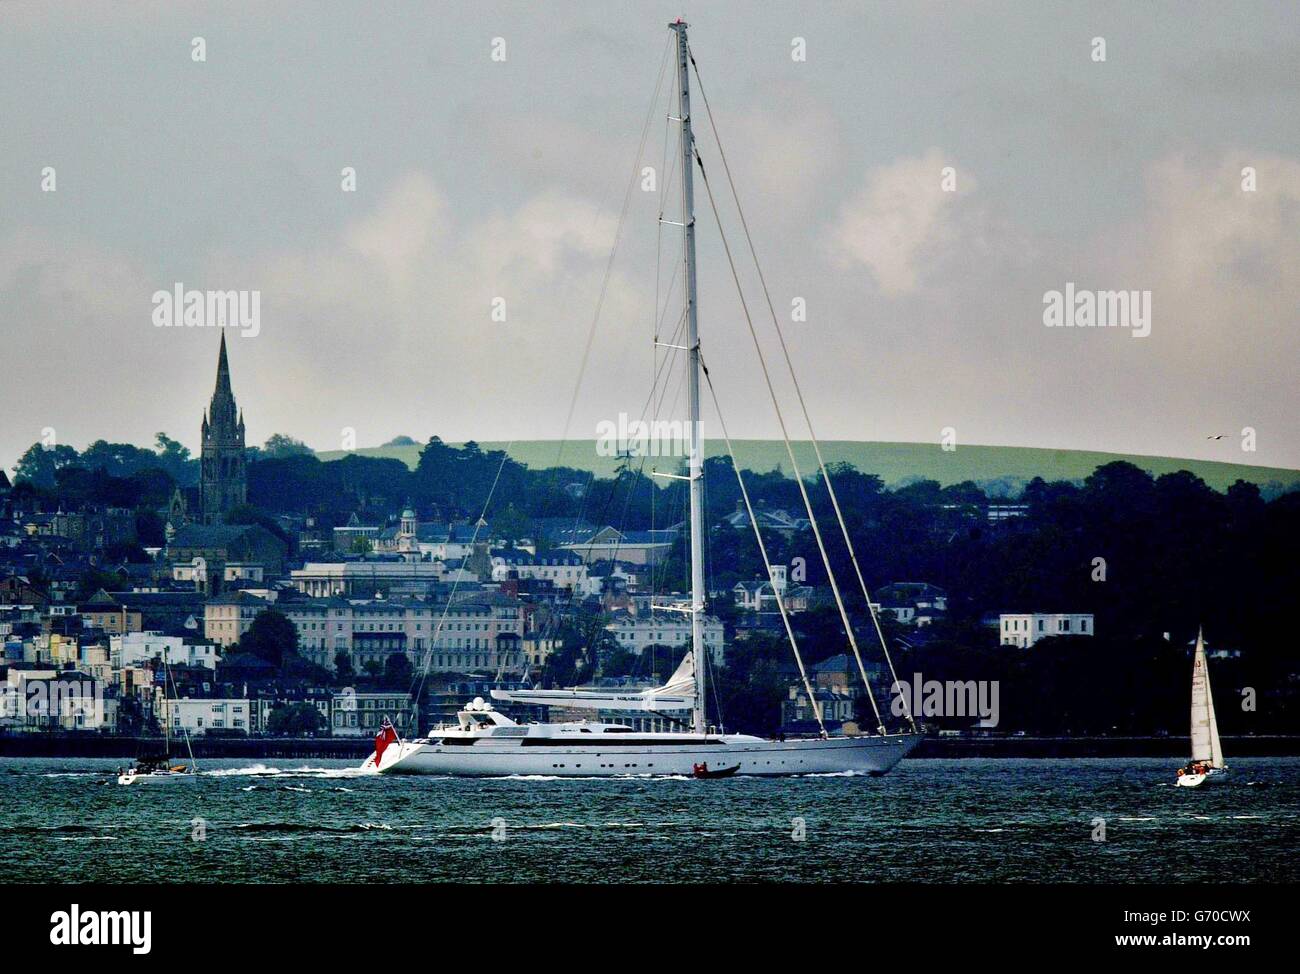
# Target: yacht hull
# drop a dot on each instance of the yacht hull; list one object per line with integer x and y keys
{"x": 1203, "y": 778}
{"x": 755, "y": 756}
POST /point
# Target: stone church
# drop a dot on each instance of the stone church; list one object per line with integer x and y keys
{"x": 223, "y": 471}
{"x": 223, "y": 467}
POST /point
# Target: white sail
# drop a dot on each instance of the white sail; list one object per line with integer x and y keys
{"x": 1216, "y": 749}
{"x": 677, "y": 694}
{"x": 1205, "y": 729}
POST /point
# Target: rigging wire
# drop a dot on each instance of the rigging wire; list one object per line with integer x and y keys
{"x": 184, "y": 733}
{"x": 613, "y": 252}
{"x": 600, "y": 302}
{"x": 821, "y": 463}
{"x": 798, "y": 477}
{"x": 762, "y": 550}
{"x": 418, "y": 685}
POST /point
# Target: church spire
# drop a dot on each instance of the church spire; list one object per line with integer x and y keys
{"x": 223, "y": 483}
{"x": 223, "y": 369}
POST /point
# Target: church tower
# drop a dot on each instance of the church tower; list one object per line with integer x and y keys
{"x": 223, "y": 477}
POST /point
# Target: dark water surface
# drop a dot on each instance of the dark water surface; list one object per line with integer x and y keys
{"x": 929, "y": 821}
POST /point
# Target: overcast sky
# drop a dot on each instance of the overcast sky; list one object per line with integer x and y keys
{"x": 478, "y": 179}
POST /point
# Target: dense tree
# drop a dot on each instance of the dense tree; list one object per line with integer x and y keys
{"x": 270, "y": 636}
{"x": 278, "y": 446}
{"x": 397, "y": 672}
{"x": 295, "y": 720}
{"x": 38, "y": 465}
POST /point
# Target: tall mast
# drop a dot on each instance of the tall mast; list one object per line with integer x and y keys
{"x": 696, "y": 470}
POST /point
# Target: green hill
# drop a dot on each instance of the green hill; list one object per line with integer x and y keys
{"x": 895, "y": 463}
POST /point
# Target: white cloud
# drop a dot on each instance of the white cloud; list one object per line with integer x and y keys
{"x": 899, "y": 217}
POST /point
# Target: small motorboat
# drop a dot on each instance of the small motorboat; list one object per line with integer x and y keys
{"x": 702, "y": 771}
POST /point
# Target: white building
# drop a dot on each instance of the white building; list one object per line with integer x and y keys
{"x": 361, "y": 714}
{"x": 562, "y": 569}
{"x": 44, "y": 699}
{"x": 137, "y": 648}
{"x": 666, "y": 629}
{"x": 363, "y": 579}
{"x": 196, "y": 571}
{"x": 201, "y": 716}
{"x": 479, "y": 631}
{"x": 912, "y": 603}
{"x": 1025, "y": 629}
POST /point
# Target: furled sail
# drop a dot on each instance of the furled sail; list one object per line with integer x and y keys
{"x": 1205, "y": 729}
{"x": 677, "y": 694}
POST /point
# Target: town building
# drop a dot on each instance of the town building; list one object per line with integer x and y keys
{"x": 360, "y": 714}
{"x": 365, "y": 578}
{"x": 911, "y": 603}
{"x": 610, "y": 544}
{"x": 761, "y": 596}
{"x": 200, "y": 716}
{"x": 769, "y": 519}
{"x": 106, "y": 612}
{"x": 137, "y": 648}
{"x": 354, "y": 536}
{"x": 563, "y": 569}
{"x": 221, "y": 556}
{"x": 476, "y": 631}
{"x": 798, "y": 716}
{"x": 1025, "y": 629}
{"x": 227, "y": 617}
{"x": 667, "y": 629}
{"x": 44, "y": 699}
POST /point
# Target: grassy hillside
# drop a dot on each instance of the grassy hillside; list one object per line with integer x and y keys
{"x": 894, "y": 463}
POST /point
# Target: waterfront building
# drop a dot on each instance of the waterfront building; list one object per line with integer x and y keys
{"x": 198, "y": 716}
{"x": 360, "y": 714}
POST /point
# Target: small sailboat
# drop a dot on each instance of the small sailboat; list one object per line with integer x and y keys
{"x": 162, "y": 767}
{"x": 1207, "y": 754}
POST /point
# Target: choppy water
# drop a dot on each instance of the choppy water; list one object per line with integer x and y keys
{"x": 929, "y": 821}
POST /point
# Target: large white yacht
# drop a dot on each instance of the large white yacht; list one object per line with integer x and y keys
{"x": 484, "y": 741}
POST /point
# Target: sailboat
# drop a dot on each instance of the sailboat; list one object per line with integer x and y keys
{"x": 162, "y": 767}
{"x": 1207, "y": 754}
{"x": 484, "y": 741}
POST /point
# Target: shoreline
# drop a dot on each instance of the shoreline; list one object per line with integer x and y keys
{"x": 127, "y": 748}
